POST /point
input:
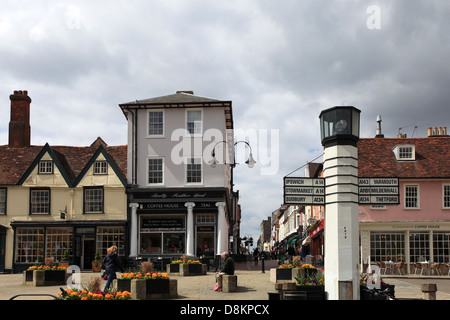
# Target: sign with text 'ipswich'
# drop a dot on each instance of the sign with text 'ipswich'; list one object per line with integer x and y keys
{"x": 379, "y": 191}
{"x": 304, "y": 191}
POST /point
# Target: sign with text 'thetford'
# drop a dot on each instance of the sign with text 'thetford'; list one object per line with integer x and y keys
{"x": 379, "y": 191}
{"x": 304, "y": 191}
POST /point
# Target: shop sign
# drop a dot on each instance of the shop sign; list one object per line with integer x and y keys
{"x": 304, "y": 191}
{"x": 379, "y": 191}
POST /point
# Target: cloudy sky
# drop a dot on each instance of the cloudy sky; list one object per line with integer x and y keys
{"x": 279, "y": 62}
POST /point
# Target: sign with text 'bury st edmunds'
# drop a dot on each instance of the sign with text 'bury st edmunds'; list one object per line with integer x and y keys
{"x": 379, "y": 191}
{"x": 304, "y": 191}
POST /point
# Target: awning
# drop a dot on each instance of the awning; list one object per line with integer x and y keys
{"x": 293, "y": 240}
{"x": 307, "y": 241}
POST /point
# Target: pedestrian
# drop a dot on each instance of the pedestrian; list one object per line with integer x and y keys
{"x": 111, "y": 264}
{"x": 281, "y": 255}
{"x": 255, "y": 256}
{"x": 291, "y": 252}
{"x": 227, "y": 268}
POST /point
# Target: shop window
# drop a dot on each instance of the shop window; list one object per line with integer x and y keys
{"x": 205, "y": 217}
{"x": 419, "y": 246}
{"x": 110, "y": 236}
{"x": 29, "y": 245}
{"x": 162, "y": 234}
{"x": 57, "y": 241}
{"x": 387, "y": 246}
{"x": 441, "y": 247}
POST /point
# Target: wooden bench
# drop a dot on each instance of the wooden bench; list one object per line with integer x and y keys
{"x": 229, "y": 283}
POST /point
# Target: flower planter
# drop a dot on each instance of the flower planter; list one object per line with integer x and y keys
{"x": 189, "y": 269}
{"x": 287, "y": 274}
{"x": 173, "y": 268}
{"x": 38, "y": 278}
{"x": 96, "y": 266}
{"x": 122, "y": 284}
{"x": 312, "y": 292}
{"x": 149, "y": 289}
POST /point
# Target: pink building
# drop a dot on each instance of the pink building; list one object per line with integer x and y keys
{"x": 418, "y": 228}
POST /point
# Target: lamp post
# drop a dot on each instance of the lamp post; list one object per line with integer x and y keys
{"x": 213, "y": 163}
{"x": 339, "y": 127}
{"x": 250, "y": 162}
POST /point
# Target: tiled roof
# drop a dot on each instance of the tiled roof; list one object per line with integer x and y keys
{"x": 377, "y": 159}
{"x": 15, "y": 161}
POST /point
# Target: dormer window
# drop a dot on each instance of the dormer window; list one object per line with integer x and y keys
{"x": 405, "y": 152}
{"x": 45, "y": 167}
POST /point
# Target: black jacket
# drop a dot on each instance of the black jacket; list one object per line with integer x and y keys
{"x": 111, "y": 263}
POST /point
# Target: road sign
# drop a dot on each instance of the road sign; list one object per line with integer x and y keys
{"x": 304, "y": 191}
{"x": 379, "y": 191}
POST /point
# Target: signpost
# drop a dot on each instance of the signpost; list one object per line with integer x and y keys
{"x": 304, "y": 191}
{"x": 311, "y": 191}
{"x": 379, "y": 191}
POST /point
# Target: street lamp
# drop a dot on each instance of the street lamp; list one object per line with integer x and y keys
{"x": 213, "y": 162}
{"x": 339, "y": 127}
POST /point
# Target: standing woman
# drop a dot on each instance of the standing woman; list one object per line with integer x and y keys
{"x": 111, "y": 264}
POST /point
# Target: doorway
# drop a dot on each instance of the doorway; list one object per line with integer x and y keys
{"x": 85, "y": 251}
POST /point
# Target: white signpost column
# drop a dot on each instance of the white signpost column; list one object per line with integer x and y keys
{"x": 340, "y": 134}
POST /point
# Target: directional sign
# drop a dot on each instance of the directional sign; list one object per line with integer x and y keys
{"x": 378, "y": 191}
{"x": 304, "y": 191}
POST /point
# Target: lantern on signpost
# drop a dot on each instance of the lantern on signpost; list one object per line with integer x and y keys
{"x": 339, "y": 127}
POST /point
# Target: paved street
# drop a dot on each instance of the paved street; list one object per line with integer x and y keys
{"x": 253, "y": 284}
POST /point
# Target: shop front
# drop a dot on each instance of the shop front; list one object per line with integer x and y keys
{"x": 407, "y": 242}
{"x": 171, "y": 224}
{"x": 76, "y": 240}
{"x": 317, "y": 241}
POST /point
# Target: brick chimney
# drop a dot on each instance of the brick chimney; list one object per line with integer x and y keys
{"x": 19, "y": 125}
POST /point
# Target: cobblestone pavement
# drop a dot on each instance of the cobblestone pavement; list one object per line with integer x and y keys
{"x": 253, "y": 284}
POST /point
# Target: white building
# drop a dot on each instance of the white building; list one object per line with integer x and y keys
{"x": 179, "y": 204}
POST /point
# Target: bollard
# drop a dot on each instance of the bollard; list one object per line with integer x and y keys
{"x": 428, "y": 291}
{"x": 262, "y": 262}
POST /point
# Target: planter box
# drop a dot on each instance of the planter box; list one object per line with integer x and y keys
{"x": 312, "y": 292}
{"x": 38, "y": 278}
{"x": 286, "y": 274}
{"x": 188, "y": 269}
{"x": 173, "y": 268}
{"x": 122, "y": 284}
{"x": 142, "y": 289}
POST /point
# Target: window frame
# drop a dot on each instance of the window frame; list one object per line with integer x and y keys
{"x": 148, "y": 183}
{"x": 99, "y": 166}
{"x": 444, "y": 196}
{"x": 399, "y": 153}
{"x": 187, "y": 164}
{"x": 156, "y": 135}
{"x": 45, "y": 164}
{"x": 4, "y": 204}
{"x": 102, "y": 211}
{"x": 194, "y": 134}
{"x": 417, "y": 207}
{"x": 32, "y": 190}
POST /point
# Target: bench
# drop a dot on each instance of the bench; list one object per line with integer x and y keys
{"x": 229, "y": 283}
